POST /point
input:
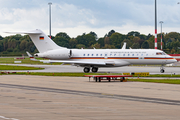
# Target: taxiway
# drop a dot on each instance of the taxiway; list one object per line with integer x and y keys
{"x": 43, "y": 98}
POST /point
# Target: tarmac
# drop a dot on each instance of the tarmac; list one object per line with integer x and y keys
{"x": 75, "y": 98}
{"x": 125, "y": 69}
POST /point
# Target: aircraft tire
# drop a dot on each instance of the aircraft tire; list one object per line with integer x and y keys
{"x": 94, "y": 69}
{"x": 162, "y": 71}
{"x": 86, "y": 70}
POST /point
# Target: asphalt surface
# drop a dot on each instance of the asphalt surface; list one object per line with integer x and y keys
{"x": 126, "y": 69}
{"x": 75, "y": 98}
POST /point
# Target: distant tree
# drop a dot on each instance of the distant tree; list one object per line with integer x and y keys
{"x": 64, "y": 35}
{"x": 116, "y": 39}
{"x": 151, "y": 44}
{"x": 86, "y": 39}
{"x": 1, "y": 38}
{"x": 106, "y": 40}
{"x": 136, "y": 39}
{"x": 135, "y": 46}
{"x": 101, "y": 42}
{"x": 79, "y": 46}
{"x": 145, "y": 45}
{"x": 22, "y": 45}
{"x": 94, "y": 34}
{"x": 72, "y": 43}
{"x": 149, "y": 35}
{"x": 141, "y": 42}
{"x": 96, "y": 46}
{"x": 107, "y": 46}
{"x": 110, "y": 33}
{"x": 1, "y": 46}
{"x": 61, "y": 41}
{"x": 133, "y": 33}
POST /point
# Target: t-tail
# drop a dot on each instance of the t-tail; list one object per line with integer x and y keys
{"x": 42, "y": 42}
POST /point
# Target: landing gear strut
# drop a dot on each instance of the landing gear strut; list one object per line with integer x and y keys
{"x": 162, "y": 69}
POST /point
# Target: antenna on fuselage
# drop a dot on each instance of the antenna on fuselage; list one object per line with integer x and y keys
{"x": 124, "y": 46}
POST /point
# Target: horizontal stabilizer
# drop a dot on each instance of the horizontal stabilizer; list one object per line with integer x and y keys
{"x": 42, "y": 42}
{"x": 34, "y": 32}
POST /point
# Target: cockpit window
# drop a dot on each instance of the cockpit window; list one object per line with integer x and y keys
{"x": 160, "y": 53}
{"x": 164, "y": 53}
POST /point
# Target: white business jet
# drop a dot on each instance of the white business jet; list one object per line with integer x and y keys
{"x": 92, "y": 59}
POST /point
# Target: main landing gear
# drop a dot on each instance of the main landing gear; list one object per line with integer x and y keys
{"x": 162, "y": 69}
{"x": 87, "y": 69}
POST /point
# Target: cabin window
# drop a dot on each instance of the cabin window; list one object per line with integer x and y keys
{"x": 92, "y": 54}
{"x": 137, "y": 54}
{"x": 114, "y": 54}
{"x": 123, "y": 54}
{"x": 128, "y": 54}
{"x": 141, "y": 54}
{"x": 101, "y": 54}
{"x": 87, "y": 54}
{"x": 146, "y": 54}
{"x": 132, "y": 54}
{"x": 105, "y": 54}
{"x": 96, "y": 54}
{"x": 110, "y": 54}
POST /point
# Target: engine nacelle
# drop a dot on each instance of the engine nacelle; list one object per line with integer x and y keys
{"x": 58, "y": 54}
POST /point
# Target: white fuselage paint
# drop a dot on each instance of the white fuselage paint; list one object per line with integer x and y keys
{"x": 118, "y": 57}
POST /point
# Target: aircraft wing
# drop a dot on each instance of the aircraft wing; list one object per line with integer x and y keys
{"x": 87, "y": 63}
{"x": 74, "y": 62}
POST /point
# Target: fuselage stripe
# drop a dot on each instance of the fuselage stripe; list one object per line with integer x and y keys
{"x": 151, "y": 58}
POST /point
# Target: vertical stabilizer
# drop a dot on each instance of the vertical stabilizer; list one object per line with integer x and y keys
{"x": 42, "y": 42}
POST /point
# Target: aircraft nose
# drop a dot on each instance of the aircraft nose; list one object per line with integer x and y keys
{"x": 174, "y": 60}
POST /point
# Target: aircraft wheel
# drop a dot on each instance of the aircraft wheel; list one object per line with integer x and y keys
{"x": 86, "y": 70}
{"x": 94, "y": 69}
{"x": 162, "y": 71}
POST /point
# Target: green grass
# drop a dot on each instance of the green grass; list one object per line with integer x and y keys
{"x": 60, "y": 74}
{"x": 166, "y": 75}
{"x": 24, "y": 61}
{"x": 9, "y": 67}
{"x": 167, "y": 81}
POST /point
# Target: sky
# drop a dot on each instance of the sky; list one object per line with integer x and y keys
{"x": 76, "y": 17}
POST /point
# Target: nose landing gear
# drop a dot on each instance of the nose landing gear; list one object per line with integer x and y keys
{"x": 162, "y": 69}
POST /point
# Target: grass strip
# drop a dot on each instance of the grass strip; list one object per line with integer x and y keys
{"x": 167, "y": 81}
{"x": 9, "y": 67}
{"x": 61, "y": 74}
{"x": 24, "y": 61}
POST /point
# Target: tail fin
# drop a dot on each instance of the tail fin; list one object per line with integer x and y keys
{"x": 42, "y": 42}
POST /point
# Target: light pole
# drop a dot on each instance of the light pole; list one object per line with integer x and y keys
{"x": 155, "y": 25}
{"x": 161, "y": 32}
{"x": 50, "y": 18}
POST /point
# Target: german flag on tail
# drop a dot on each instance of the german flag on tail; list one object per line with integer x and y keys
{"x": 41, "y": 37}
